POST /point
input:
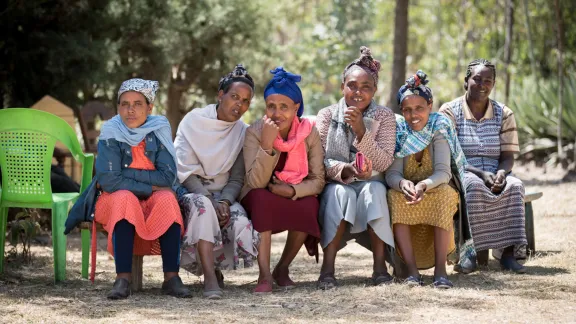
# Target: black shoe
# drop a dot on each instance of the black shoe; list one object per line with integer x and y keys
{"x": 120, "y": 290}
{"x": 175, "y": 287}
{"x": 510, "y": 263}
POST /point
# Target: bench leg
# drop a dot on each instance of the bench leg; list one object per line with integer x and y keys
{"x": 529, "y": 224}
{"x": 137, "y": 261}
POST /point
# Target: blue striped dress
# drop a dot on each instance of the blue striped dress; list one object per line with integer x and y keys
{"x": 497, "y": 221}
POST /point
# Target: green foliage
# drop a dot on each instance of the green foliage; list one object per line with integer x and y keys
{"x": 23, "y": 229}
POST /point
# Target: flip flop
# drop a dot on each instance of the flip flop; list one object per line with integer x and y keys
{"x": 442, "y": 283}
{"x": 413, "y": 281}
{"x": 213, "y": 294}
{"x": 327, "y": 281}
{"x": 379, "y": 279}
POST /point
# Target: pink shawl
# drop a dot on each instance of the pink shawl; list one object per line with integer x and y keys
{"x": 296, "y": 167}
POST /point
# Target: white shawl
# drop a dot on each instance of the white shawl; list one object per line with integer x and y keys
{"x": 206, "y": 146}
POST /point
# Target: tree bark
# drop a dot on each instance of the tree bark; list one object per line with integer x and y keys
{"x": 400, "y": 51}
{"x": 174, "y": 111}
{"x": 530, "y": 44}
{"x": 508, "y": 45}
{"x": 560, "y": 39}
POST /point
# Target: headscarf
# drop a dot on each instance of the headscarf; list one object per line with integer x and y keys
{"x": 415, "y": 85}
{"x": 239, "y": 74}
{"x": 365, "y": 62}
{"x": 284, "y": 83}
{"x": 147, "y": 88}
{"x": 116, "y": 129}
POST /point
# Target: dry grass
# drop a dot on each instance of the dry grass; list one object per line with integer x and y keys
{"x": 546, "y": 294}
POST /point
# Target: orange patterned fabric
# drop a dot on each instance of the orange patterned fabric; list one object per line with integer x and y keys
{"x": 151, "y": 217}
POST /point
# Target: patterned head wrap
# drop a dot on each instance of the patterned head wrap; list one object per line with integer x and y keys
{"x": 415, "y": 85}
{"x": 239, "y": 74}
{"x": 284, "y": 83}
{"x": 147, "y": 88}
{"x": 366, "y": 62}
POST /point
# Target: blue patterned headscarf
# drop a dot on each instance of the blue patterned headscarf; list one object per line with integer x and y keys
{"x": 284, "y": 83}
{"x": 147, "y": 88}
{"x": 415, "y": 85}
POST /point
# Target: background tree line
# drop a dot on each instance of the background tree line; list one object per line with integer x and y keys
{"x": 80, "y": 50}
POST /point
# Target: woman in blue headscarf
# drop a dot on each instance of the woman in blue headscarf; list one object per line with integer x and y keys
{"x": 284, "y": 174}
{"x": 422, "y": 203}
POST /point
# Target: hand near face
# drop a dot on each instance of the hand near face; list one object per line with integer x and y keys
{"x": 269, "y": 133}
{"x": 281, "y": 188}
{"x": 353, "y": 117}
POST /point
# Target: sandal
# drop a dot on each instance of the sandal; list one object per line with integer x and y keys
{"x": 213, "y": 294}
{"x": 510, "y": 263}
{"x": 384, "y": 278}
{"x": 263, "y": 287}
{"x": 284, "y": 283}
{"x": 413, "y": 281}
{"x": 442, "y": 283}
{"x": 327, "y": 281}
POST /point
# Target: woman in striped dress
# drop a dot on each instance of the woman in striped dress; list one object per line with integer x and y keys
{"x": 495, "y": 200}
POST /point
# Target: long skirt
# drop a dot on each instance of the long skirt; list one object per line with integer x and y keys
{"x": 497, "y": 221}
{"x": 151, "y": 217}
{"x": 437, "y": 209}
{"x": 235, "y": 241}
{"x": 360, "y": 204}
{"x": 270, "y": 212}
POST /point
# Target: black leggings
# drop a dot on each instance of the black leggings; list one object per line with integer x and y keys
{"x": 123, "y": 241}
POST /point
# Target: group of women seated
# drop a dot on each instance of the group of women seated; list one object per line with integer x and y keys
{"x": 419, "y": 189}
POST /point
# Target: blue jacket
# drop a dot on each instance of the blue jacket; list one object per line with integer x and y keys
{"x": 113, "y": 174}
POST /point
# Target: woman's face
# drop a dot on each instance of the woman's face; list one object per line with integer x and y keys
{"x": 234, "y": 103}
{"x": 358, "y": 89}
{"x": 416, "y": 111}
{"x": 480, "y": 83}
{"x": 133, "y": 109}
{"x": 282, "y": 110}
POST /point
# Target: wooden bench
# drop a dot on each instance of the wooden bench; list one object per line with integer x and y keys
{"x": 529, "y": 223}
{"x": 137, "y": 260}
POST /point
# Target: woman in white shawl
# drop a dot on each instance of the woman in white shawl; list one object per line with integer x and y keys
{"x": 208, "y": 146}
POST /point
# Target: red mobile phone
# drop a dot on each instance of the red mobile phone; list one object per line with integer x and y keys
{"x": 360, "y": 161}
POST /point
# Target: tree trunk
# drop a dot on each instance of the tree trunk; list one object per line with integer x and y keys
{"x": 509, "y": 18}
{"x": 530, "y": 44}
{"x": 174, "y": 104}
{"x": 560, "y": 39}
{"x": 461, "y": 45}
{"x": 400, "y": 51}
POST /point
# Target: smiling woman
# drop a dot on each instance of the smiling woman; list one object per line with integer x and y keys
{"x": 487, "y": 132}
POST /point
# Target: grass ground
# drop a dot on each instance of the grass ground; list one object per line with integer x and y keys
{"x": 547, "y": 293}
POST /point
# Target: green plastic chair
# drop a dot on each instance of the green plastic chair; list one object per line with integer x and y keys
{"x": 27, "y": 138}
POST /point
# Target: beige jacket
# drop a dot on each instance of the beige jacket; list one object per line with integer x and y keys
{"x": 260, "y": 165}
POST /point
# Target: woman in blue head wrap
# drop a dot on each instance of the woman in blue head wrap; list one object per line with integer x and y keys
{"x": 135, "y": 172}
{"x": 284, "y": 174}
{"x": 353, "y": 204}
{"x": 422, "y": 203}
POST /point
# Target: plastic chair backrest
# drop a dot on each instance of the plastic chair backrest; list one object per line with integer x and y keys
{"x": 27, "y": 138}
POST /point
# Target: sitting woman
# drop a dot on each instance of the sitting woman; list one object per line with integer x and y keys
{"x": 135, "y": 169}
{"x": 284, "y": 173}
{"x": 354, "y": 204}
{"x": 422, "y": 204}
{"x": 495, "y": 200}
{"x": 209, "y": 145}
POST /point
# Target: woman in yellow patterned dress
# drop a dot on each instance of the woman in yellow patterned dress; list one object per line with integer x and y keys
{"x": 422, "y": 203}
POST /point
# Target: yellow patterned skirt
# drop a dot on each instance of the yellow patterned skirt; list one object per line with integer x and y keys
{"x": 437, "y": 209}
